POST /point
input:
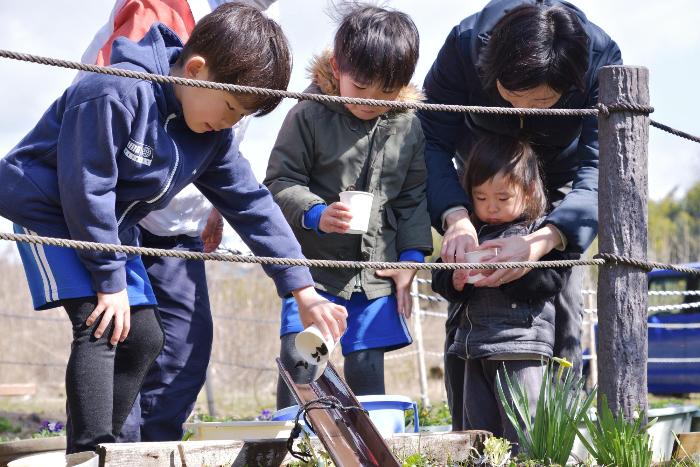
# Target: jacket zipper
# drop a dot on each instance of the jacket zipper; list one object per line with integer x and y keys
{"x": 366, "y": 187}
{"x": 169, "y": 182}
{"x": 466, "y": 340}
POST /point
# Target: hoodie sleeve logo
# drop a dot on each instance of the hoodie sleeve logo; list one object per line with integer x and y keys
{"x": 139, "y": 152}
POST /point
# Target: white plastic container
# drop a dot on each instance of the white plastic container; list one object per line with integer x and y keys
{"x": 360, "y": 203}
{"x": 58, "y": 459}
{"x": 676, "y": 419}
{"x": 477, "y": 257}
{"x": 385, "y": 411}
{"x": 313, "y": 347}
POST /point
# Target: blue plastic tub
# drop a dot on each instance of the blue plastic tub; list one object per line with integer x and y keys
{"x": 385, "y": 411}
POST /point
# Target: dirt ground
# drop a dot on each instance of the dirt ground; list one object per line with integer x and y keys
{"x": 21, "y": 417}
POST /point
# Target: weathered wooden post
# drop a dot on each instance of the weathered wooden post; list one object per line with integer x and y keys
{"x": 622, "y": 206}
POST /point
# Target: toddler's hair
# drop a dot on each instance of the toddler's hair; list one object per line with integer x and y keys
{"x": 242, "y": 46}
{"x": 517, "y": 161}
{"x": 376, "y": 45}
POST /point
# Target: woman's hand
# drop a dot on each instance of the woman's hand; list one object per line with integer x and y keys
{"x": 112, "y": 305}
{"x": 403, "y": 279}
{"x": 531, "y": 247}
{"x": 335, "y": 218}
{"x": 460, "y": 237}
{"x": 329, "y": 318}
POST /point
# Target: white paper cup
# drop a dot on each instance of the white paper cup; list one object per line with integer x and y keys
{"x": 312, "y": 347}
{"x": 477, "y": 257}
{"x": 360, "y": 203}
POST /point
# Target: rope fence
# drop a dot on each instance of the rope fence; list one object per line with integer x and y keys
{"x": 599, "y": 110}
{"x": 419, "y": 315}
{"x": 598, "y": 260}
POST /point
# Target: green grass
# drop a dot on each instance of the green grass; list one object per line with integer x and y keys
{"x": 6, "y": 426}
{"x": 438, "y": 414}
{"x": 657, "y": 402}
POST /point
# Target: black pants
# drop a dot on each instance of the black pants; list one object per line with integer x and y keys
{"x": 568, "y": 306}
{"x": 171, "y": 386}
{"x": 454, "y": 372}
{"x": 482, "y": 405}
{"x": 567, "y": 343}
{"x": 102, "y": 380}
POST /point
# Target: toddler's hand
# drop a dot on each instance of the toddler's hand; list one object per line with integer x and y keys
{"x": 459, "y": 278}
{"x": 403, "y": 279}
{"x": 329, "y": 318}
{"x": 335, "y": 218}
{"x": 112, "y": 305}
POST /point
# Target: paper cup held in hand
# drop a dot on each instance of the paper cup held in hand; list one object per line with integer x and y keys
{"x": 477, "y": 257}
{"x": 360, "y": 203}
{"x": 312, "y": 346}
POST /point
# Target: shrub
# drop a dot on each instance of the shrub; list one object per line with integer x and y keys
{"x": 616, "y": 441}
{"x": 561, "y": 406}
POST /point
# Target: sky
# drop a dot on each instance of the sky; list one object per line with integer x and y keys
{"x": 663, "y": 36}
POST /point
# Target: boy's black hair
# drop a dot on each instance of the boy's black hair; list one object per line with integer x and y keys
{"x": 534, "y": 45}
{"x": 377, "y": 45}
{"x": 242, "y": 46}
{"x": 516, "y": 160}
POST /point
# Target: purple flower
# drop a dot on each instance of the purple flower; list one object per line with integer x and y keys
{"x": 264, "y": 415}
{"x": 52, "y": 427}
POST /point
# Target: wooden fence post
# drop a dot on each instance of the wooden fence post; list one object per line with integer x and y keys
{"x": 622, "y": 207}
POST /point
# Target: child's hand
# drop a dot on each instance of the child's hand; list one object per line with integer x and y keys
{"x": 335, "y": 218}
{"x": 403, "y": 279}
{"x": 459, "y": 278}
{"x": 213, "y": 232}
{"x": 112, "y": 305}
{"x": 328, "y": 317}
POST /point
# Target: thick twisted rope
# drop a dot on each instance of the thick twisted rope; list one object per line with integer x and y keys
{"x": 598, "y": 260}
{"x": 644, "y": 265}
{"x": 600, "y": 109}
{"x": 312, "y": 97}
{"x": 604, "y": 110}
{"x": 673, "y": 131}
{"x": 322, "y": 263}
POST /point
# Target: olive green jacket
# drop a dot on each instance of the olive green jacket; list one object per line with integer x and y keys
{"x": 320, "y": 151}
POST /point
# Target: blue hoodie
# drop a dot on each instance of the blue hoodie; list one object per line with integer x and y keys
{"x": 567, "y": 146}
{"x": 112, "y": 149}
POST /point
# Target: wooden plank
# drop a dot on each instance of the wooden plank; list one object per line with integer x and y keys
{"x": 440, "y": 447}
{"x": 622, "y": 207}
{"x": 167, "y": 454}
{"x": 28, "y": 389}
{"x": 689, "y": 445}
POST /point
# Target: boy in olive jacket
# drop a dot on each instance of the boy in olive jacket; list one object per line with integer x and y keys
{"x": 325, "y": 148}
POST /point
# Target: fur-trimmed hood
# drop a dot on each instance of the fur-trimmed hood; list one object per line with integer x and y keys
{"x": 321, "y": 74}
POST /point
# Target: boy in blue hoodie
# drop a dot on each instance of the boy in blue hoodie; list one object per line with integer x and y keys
{"x": 109, "y": 151}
